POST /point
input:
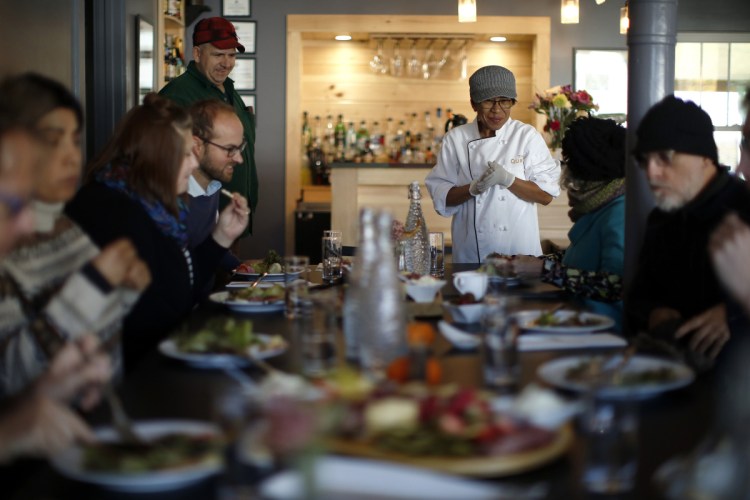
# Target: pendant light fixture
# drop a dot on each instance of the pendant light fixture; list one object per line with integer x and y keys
{"x": 624, "y": 19}
{"x": 467, "y": 11}
{"x": 569, "y": 12}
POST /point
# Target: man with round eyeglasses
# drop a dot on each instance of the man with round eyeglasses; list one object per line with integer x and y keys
{"x": 491, "y": 174}
{"x": 676, "y": 295}
{"x": 218, "y": 143}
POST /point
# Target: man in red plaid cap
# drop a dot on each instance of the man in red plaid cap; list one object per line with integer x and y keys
{"x": 215, "y": 48}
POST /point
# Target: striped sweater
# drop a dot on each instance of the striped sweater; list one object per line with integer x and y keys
{"x": 49, "y": 275}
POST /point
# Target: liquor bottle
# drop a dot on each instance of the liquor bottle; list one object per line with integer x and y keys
{"x": 363, "y": 136}
{"x": 429, "y": 130}
{"x": 339, "y": 132}
{"x": 305, "y": 148}
{"x": 351, "y": 142}
{"x": 448, "y": 120}
{"x": 417, "y": 247}
{"x": 388, "y": 137}
{"x": 306, "y": 132}
{"x": 317, "y": 133}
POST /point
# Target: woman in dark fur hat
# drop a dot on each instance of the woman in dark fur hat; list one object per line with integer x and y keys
{"x": 594, "y": 177}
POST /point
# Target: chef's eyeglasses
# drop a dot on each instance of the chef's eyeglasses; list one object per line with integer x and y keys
{"x": 231, "y": 150}
{"x": 503, "y": 103}
{"x": 662, "y": 158}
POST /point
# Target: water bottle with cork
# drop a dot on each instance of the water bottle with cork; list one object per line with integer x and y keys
{"x": 417, "y": 244}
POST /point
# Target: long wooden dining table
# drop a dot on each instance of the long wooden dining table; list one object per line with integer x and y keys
{"x": 671, "y": 424}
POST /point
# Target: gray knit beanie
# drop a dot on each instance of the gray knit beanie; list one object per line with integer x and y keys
{"x": 492, "y": 81}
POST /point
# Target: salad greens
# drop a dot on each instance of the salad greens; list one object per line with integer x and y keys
{"x": 220, "y": 335}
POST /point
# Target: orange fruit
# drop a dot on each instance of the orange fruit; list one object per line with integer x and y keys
{"x": 398, "y": 370}
{"x": 434, "y": 371}
{"x": 419, "y": 332}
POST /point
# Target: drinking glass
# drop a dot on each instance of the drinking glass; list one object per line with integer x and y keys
{"x": 611, "y": 431}
{"x": 397, "y": 61}
{"x": 331, "y": 255}
{"x": 296, "y": 293}
{"x": 499, "y": 345}
{"x": 437, "y": 251}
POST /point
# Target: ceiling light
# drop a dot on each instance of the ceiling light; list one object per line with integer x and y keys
{"x": 599, "y": 2}
{"x": 467, "y": 11}
{"x": 498, "y": 39}
{"x": 569, "y": 12}
{"x": 343, "y": 38}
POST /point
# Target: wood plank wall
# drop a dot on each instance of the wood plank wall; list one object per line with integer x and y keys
{"x": 337, "y": 79}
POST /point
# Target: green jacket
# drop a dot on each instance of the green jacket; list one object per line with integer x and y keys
{"x": 193, "y": 86}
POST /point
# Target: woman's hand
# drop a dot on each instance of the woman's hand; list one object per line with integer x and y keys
{"x": 120, "y": 265}
{"x": 35, "y": 425}
{"x": 232, "y": 221}
{"x": 77, "y": 372}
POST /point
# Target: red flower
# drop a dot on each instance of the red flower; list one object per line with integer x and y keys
{"x": 555, "y": 125}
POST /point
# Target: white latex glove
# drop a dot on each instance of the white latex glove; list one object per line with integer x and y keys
{"x": 482, "y": 184}
{"x": 499, "y": 175}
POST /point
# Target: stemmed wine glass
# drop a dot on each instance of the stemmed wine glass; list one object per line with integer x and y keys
{"x": 426, "y": 63}
{"x": 377, "y": 63}
{"x": 397, "y": 62}
{"x": 414, "y": 65}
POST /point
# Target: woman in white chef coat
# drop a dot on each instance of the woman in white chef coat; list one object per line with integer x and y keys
{"x": 491, "y": 173}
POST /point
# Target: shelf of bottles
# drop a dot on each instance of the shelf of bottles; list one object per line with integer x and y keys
{"x": 174, "y": 27}
{"x": 415, "y": 139}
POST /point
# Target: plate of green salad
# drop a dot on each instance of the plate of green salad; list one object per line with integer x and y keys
{"x": 221, "y": 343}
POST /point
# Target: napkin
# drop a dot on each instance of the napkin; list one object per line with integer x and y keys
{"x": 535, "y": 341}
{"x": 554, "y": 341}
{"x": 346, "y": 478}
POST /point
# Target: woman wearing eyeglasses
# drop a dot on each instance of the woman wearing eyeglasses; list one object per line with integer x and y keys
{"x": 491, "y": 173}
{"x": 135, "y": 188}
{"x": 56, "y": 284}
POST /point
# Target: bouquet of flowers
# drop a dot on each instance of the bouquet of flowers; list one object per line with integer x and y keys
{"x": 561, "y": 106}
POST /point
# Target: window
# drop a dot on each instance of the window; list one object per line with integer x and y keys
{"x": 715, "y": 74}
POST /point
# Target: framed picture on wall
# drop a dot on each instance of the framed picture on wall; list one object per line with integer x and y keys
{"x": 236, "y": 8}
{"x": 603, "y": 73}
{"x": 249, "y": 100}
{"x": 246, "y": 34}
{"x": 243, "y": 74}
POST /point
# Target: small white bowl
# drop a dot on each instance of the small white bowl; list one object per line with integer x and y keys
{"x": 465, "y": 313}
{"x": 424, "y": 292}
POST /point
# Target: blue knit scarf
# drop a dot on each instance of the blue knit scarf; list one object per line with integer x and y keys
{"x": 114, "y": 177}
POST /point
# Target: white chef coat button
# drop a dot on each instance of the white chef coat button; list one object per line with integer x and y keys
{"x": 481, "y": 230}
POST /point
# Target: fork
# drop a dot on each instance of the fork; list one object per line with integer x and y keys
{"x": 120, "y": 418}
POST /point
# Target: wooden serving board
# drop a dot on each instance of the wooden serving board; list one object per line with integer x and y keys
{"x": 480, "y": 466}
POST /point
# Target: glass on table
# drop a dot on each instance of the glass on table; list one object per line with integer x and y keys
{"x": 437, "y": 252}
{"x": 499, "y": 346}
{"x": 611, "y": 431}
{"x": 296, "y": 291}
{"x": 331, "y": 255}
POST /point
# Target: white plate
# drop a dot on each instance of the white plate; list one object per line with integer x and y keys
{"x": 70, "y": 462}
{"x": 269, "y": 277}
{"x": 168, "y": 347}
{"x": 246, "y": 306}
{"x": 526, "y": 318}
{"x": 554, "y": 373}
{"x": 340, "y": 478}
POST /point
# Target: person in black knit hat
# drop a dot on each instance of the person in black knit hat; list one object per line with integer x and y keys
{"x": 594, "y": 176}
{"x": 676, "y": 295}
